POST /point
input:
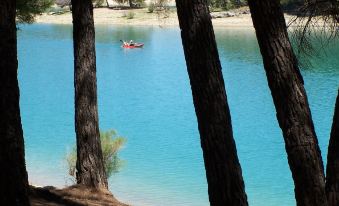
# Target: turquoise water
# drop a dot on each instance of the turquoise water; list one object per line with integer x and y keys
{"x": 145, "y": 95}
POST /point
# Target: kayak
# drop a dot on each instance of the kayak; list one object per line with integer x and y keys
{"x": 135, "y": 45}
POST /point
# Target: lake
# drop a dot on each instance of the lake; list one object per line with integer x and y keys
{"x": 145, "y": 95}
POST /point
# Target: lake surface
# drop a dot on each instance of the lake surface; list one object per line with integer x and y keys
{"x": 145, "y": 95}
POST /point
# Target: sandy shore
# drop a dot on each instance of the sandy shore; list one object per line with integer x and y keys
{"x": 115, "y": 17}
{"x": 141, "y": 18}
{"x": 105, "y": 16}
{"x": 71, "y": 196}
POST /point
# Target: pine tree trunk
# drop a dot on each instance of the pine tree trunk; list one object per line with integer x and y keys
{"x": 13, "y": 175}
{"x": 223, "y": 171}
{"x": 332, "y": 171}
{"x": 289, "y": 96}
{"x": 90, "y": 167}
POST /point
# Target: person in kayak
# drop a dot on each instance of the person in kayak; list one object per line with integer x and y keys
{"x": 124, "y": 43}
{"x": 131, "y": 43}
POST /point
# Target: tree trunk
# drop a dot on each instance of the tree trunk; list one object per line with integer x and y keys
{"x": 223, "y": 171}
{"x": 332, "y": 171}
{"x": 90, "y": 167}
{"x": 13, "y": 175}
{"x": 289, "y": 96}
{"x": 130, "y": 3}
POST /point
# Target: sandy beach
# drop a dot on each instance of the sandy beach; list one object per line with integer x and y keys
{"x": 142, "y": 18}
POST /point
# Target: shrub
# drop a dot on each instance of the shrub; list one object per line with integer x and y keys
{"x": 98, "y": 3}
{"x": 151, "y": 8}
{"x": 111, "y": 144}
{"x": 130, "y": 15}
{"x": 216, "y": 5}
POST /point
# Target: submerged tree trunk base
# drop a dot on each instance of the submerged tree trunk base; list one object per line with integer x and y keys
{"x": 90, "y": 166}
{"x": 223, "y": 171}
{"x": 13, "y": 175}
{"x": 290, "y": 100}
{"x": 332, "y": 171}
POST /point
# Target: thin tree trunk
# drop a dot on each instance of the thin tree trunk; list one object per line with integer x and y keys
{"x": 130, "y": 3}
{"x": 332, "y": 171}
{"x": 289, "y": 96}
{"x": 13, "y": 175}
{"x": 223, "y": 171}
{"x": 90, "y": 167}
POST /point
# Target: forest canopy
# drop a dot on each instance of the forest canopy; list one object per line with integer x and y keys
{"x": 28, "y": 9}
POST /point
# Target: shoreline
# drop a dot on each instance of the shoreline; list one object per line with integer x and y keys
{"x": 239, "y": 18}
{"x": 234, "y": 19}
{"x": 141, "y": 17}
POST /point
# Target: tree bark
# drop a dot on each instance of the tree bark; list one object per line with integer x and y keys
{"x": 223, "y": 171}
{"x": 290, "y": 100}
{"x": 130, "y": 3}
{"x": 90, "y": 167}
{"x": 332, "y": 171}
{"x": 13, "y": 175}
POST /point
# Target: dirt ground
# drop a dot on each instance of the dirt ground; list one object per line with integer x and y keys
{"x": 71, "y": 196}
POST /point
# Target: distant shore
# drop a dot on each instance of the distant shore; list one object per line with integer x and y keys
{"x": 237, "y": 18}
{"x": 141, "y": 17}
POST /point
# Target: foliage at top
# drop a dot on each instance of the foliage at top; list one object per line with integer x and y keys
{"x": 226, "y": 4}
{"x": 231, "y": 4}
{"x": 289, "y": 4}
{"x": 28, "y": 9}
{"x": 111, "y": 144}
{"x": 132, "y": 3}
{"x": 317, "y": 21}
{"x": 99, "y": 3}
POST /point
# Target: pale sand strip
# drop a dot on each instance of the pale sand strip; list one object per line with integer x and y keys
{"x": 141, "y": 18}
{"x": 105, "y": 16}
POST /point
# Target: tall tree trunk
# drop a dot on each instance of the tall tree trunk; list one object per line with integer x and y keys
{"x": 223, "y": 171}
{"x": 130, "y": 3}
{"x": 289, "y": 96}
{"x": 90, "y": 167}
{"x": 13, "y": 175}
{"x": 332, "y": 171}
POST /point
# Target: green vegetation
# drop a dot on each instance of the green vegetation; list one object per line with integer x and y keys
{"x": 28, "y": 9}
{"x": 217, "y": 5}
{"x": 132, "y": 3}
{"x": 130, "y": 15}
{"x": 99, "y": 3}
{"x": 291, "y": 4}
{"x": 111, "y": 144}
{"x": 161, "y": 3}
{"x": 151, "y": 7}
{"x": 139, "y": 2}
{"x": 226, "y": 4}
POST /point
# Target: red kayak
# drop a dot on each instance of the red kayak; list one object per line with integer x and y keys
{"x": 132, "y": 46}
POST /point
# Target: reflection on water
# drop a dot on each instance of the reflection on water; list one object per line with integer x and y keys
{"x": 145, "y": 95}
